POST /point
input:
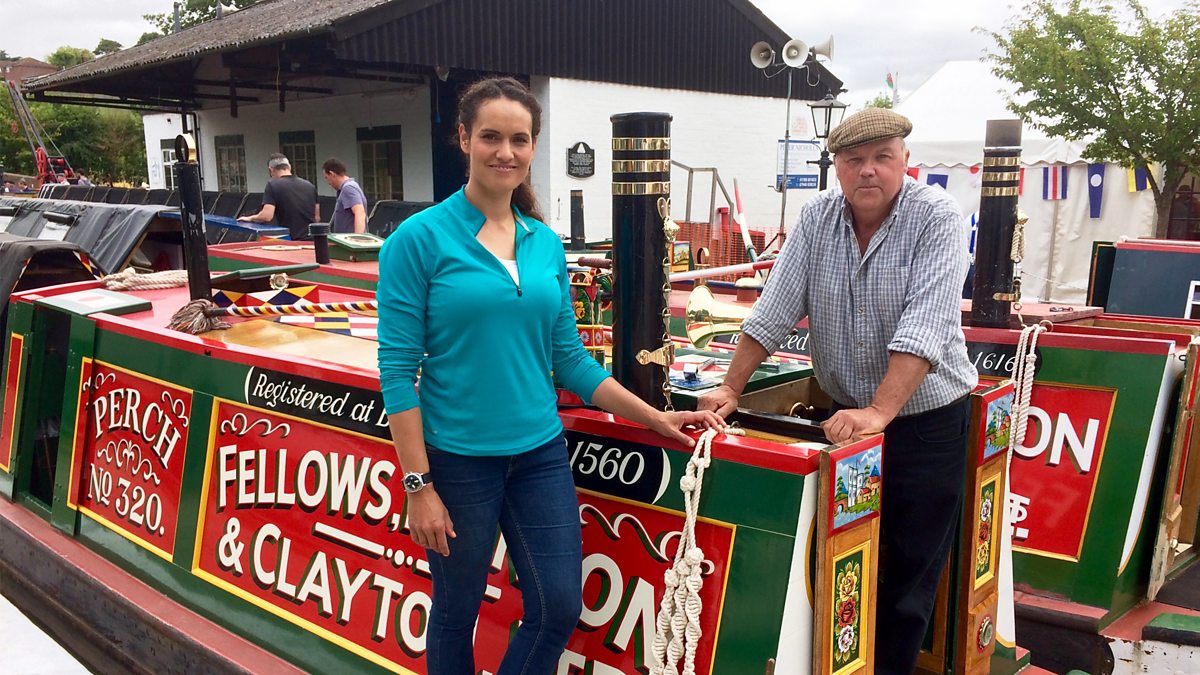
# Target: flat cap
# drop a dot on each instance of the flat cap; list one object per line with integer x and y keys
{"x": 872, "y": 124}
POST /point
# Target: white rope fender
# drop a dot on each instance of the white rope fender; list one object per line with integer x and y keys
{"x": 1023, "y": 373}
{"x": 677, "y": 628}
{"x": 128, "y": 279}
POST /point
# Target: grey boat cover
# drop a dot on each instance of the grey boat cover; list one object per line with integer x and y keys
{"x": 35, "y": 263}
{"x": 108, "y": 233}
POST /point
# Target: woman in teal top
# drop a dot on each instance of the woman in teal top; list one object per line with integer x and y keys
{"x": 474, "y": 292}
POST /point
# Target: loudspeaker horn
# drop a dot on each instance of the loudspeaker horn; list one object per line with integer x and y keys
{"x": 823, "y": 49}
{"x": 795, "y": 53}
{"x": 761, "y": 55}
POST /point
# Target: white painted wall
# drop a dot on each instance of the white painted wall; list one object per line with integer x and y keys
{"x": 736, "y": 134}
{"x": 155, "y": 128}
{"x": 333, "y": 121}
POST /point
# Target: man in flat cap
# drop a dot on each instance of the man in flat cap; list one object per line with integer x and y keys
{"x": 878, "y": 268}
{"x": 288, "y": 199}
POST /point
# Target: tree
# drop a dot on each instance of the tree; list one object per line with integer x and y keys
{"x": 881, "y": 100}
{"x": 66, "y": 57}
{"x": 107, "y": 145}
{"x": 106, "y": 46}
{"x": 1129, "y": 86}
{"x": 148, "y": 36}
{"x": 5, "y": 57}
{"x": 191, "y": 13}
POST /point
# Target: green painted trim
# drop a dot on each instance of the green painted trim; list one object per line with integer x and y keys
{"x": 82, "y": 345}
{"x": 229, "y": 265}
{"x": 1093, "y": 580}
{"x": 1176, "y": 622}
{"x": 194, "y": 462}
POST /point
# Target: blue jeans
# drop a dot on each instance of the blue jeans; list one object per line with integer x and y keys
{"x": 531, "y": 496}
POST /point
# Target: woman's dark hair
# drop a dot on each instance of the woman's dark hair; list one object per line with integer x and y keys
{"x": 491, "y": 89}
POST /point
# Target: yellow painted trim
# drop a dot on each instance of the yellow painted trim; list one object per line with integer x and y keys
{"x": 17, "y": 354}
{"x": 143, "y": 376}
{"x": 304, "y": 623}
{"x": 993, "y": 543}
{"x": 80, "y": 419}
{"x": 864, "y": 609}
{"x": 127, "y": 533}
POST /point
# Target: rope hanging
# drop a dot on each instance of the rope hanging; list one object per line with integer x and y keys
{"x": 128, "y": 279}
{"x": 677, "y": 628}
{"x": 1023, "y": 373}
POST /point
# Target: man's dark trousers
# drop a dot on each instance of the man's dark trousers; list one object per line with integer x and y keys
{"x": 924, "y": 465}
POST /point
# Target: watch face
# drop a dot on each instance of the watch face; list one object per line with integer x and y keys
{"x": 413, "y": 482}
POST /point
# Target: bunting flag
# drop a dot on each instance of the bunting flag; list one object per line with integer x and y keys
{"x": 1095, "y": 189}
{"x": 939, "y": 179}
{"x": 1139, "y": 179}
{"x": 1054, "y": 182}
{"x": 914, "y": 172}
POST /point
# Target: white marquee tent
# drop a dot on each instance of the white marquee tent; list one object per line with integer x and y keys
{"x": 949, "y": 114}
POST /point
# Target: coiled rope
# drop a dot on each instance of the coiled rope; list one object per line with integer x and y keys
{"x": 128, "y": 279}
{"x": 677, "y": 628}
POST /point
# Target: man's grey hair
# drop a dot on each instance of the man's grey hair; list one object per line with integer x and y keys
{"x": 278, "y": 161}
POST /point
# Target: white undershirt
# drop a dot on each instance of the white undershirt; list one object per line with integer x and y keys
{"x": 511, "y": 266}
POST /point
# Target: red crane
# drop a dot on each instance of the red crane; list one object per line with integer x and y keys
{"x": 51, "y": 167}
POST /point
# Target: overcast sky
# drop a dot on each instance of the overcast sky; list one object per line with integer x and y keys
{"x": 871, "y": 38}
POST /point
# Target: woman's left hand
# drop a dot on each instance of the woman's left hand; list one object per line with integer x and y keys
{"x": 671, "y": 424}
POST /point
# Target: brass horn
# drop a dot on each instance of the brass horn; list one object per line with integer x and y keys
{"x": 706, "y": 317}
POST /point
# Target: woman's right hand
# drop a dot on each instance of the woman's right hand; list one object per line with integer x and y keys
{"x": 429, "y": 522}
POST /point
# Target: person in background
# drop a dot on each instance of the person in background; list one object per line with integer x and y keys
{"x": 288, "y": 199}
{"x": 22, "y": 186}
{"x": 83, "y": 180}
{"x": 350, "y": 211}
{"x": 480, "y": 443}
{"x": 878, "y": 268}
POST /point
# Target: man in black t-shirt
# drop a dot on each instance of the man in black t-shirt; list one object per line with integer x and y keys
{"x": 289, "y": 200}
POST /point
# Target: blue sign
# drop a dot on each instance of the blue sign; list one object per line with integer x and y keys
{"x": 797, "y": 182}
{"x": 801, "y": 174}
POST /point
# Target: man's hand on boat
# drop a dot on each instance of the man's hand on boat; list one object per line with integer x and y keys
{"x": 429, "y": 523}
{"x": 853, "y": 423}
{"x": 722, "y": 400}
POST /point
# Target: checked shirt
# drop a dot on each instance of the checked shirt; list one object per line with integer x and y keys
{"x": 902, "y": 295}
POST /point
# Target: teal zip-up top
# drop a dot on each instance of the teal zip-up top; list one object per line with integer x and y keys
{"x": 485, "y": 346}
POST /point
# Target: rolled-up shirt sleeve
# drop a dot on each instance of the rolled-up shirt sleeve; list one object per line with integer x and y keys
{"x": 932, "y": 317}
{"x": 402, "y": 294}
{"x": 573, "y": 366}
{"x": 784, "y": 300}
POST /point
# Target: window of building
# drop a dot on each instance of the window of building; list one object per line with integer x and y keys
{"x": 379, "y": 150}
{"x": 231, "y": 163}
{"x": 301, "y": 150}
{"x": 167, "y": 147}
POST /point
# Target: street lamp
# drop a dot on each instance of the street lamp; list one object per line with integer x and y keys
{"x": 827, "y": 114}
